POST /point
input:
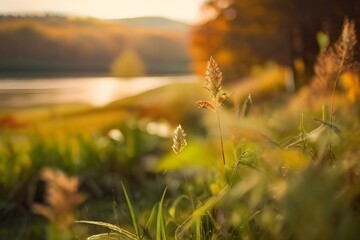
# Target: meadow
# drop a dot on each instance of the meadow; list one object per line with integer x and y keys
{"x": 212, "y": 161}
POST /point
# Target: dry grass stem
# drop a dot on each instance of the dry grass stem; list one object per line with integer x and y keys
{"x": 344, "y": 47}
{"x": 334, "y": 61}
{"x": 213, "y": 83}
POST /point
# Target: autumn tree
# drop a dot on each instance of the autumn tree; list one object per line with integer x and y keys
{"x": 127, "y": 64}
{"x": 243, "y": 33}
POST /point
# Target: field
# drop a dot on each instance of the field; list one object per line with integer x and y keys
{"x": 279, "y": 167}
{"x": 207, "y": 160}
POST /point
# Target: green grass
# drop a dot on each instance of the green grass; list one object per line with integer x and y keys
{"x": 284, "y": 172}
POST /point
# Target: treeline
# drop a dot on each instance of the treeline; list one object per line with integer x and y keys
{"x": 55, "y": 44}
{"x": 242, "y": 33}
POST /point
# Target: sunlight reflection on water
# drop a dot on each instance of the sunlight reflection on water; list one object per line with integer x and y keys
{"x": 97, "y": 91}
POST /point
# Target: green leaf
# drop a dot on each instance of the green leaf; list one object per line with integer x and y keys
{"x": 332, "y": 126}
{"x": 160, "y": 226}
{"x": 198, "y": 213}
{"x": 246, "y": 106}
{"x": 131, "y": 210}
{"x": 152, "y": 215}
{"x": 195, "y": 155}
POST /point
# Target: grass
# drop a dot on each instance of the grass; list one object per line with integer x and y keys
{"x": 255, "y": 195}
{"x": 281, "y": 168}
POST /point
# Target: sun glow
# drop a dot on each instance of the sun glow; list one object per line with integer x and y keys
{"x": 184, "y": 10}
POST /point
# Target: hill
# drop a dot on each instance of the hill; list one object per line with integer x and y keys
{"x": 58, "y": 44}
{"x": 155, "y": 23}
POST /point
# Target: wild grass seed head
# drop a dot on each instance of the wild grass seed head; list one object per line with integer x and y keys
{"x": 179, "y": 140}
{"x": 213, "y": 78}
{"x": 336, "y": 58}
{"x": 213, "y": 83}
{"x": 344, "y": 47}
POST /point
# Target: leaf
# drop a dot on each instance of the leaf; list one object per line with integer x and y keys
{"x": 174, "y": 205}
{"x": 194, "y": 156}
{"x": 152, "y": 215}
{"x": 246, "y": 106}
{"x": 112, "y": 227}
{"x": 333, "y": 127}
{"x": 198, "y": 213}
{"x": 160, "y": 226}
{"x": 105, "y": 236}
{"x": 206, "y": 104}
{"x": 313, "y": 135}
{"x": 131, "y": 210}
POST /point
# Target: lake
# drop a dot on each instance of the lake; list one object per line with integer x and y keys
{"x": 97, "y": 91}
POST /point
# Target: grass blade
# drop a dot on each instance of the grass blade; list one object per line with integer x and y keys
{"x": 198, "y": 213}
{"x": 333, "y": 127}
{"x": 246, "y": 106}
{"x": 112, "y": 227}
{"x": 105, "y": 236}
{"x": 152, "y": 215}
{"x": 198, "y": 229}
{"x": 160, "y": 227}
{"x": 131, "y": 210}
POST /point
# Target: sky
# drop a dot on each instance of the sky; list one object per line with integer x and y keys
{"x": 183, "y": 10}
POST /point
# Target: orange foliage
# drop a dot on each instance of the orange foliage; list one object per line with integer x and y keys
{"x": 350, "y": 82}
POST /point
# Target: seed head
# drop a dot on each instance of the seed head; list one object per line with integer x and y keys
{"x": 213, "y": 78}
{"x": 179, "y": 140}
{"x": 336, "y": 58}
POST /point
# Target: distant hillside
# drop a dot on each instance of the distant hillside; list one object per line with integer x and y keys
{"x": 54, "y": 44}
{"x": 155, "y": 23}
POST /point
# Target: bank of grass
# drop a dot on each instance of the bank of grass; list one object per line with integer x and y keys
{"x": 64, "y": 126}
{"x": 265, "y": 176}
{"x": 259, "y": 169}
{"x": 258, "y": 194}
{"x": 78, "y": 140}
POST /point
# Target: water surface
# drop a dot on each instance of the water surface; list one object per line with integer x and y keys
{"x": 97, "y": 91}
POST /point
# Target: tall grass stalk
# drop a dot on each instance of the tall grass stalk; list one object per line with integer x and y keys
{"x": 221, "y": 139}
{"x": 344, "y": 52}
{"x": 213, "y": 83}
{"x": 131, "y": 210}
{"x": 335, "y": 60}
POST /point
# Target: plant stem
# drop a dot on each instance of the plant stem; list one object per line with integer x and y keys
{"x": 333, "y": 96}
{"x": 221, "y": 138}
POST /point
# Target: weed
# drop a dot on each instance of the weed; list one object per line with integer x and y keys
{"x": 334, "y": 61}
{"x": 213, "y": 83}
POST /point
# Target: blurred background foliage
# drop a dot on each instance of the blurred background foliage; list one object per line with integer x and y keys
{"x": 243, "y": 34}
{"x": 127, "y": 64}
{"x": 87, "y": 46}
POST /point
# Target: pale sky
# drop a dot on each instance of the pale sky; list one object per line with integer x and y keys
{"x": 184, "y": 10}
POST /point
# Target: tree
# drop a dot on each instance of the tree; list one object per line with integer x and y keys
{"x": 241, "y": 33}
{"x": 127, "y": 64}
